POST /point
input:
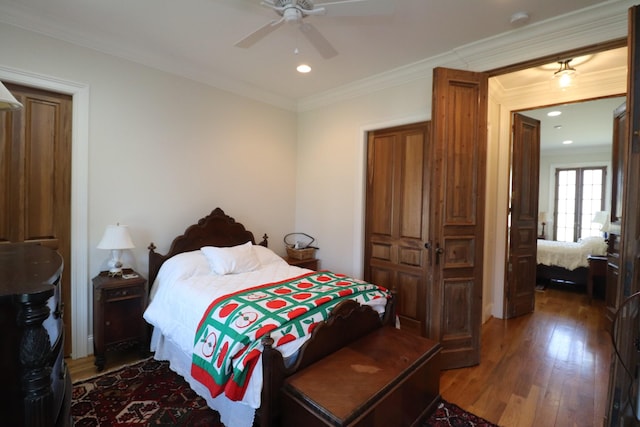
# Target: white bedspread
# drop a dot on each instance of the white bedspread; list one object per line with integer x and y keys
{"x": 570, "y": 255}
{"x": 179, "y": 298}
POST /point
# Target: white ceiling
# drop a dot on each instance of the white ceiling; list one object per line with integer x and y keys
{"x": 196, "y": 37}
{"x": 588, "y": 124}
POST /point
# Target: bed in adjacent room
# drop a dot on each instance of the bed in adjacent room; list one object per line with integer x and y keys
{"x": 567, "y": 262}
{"x": 245, "y": 289}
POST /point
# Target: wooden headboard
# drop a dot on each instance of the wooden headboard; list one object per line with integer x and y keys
{"x": 215, "y": 229}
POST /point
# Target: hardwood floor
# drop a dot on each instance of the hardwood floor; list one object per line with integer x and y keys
{"x": 548, "y": 368}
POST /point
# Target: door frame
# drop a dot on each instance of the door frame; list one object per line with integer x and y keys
{"x": 79, "y": 196}
{"x": 506, "y": 110}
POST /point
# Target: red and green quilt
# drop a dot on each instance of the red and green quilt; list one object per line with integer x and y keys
{"x": 227, "y": 344}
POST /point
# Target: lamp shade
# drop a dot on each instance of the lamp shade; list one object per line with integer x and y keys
{"x": 542, "y": 217}
{"x": 8, "y": 101}
{"x": 116, "y": 237}
{"x": 600, "y": 217}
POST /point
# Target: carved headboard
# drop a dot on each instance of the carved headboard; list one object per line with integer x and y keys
{"x": 215, "y": 229}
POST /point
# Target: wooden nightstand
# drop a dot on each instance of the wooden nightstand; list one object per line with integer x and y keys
{"x": 118, "y": 305}
{"x": 310, "y": 263}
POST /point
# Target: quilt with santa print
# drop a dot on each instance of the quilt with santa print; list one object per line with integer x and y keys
{"x": 228, "y": 340}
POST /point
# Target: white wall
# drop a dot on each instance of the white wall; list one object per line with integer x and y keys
{"x": 162, "y": 152}
{"x": 331, "y": 131}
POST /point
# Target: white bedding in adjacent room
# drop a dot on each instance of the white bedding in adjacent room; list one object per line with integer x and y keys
{"x": 570, "y": 255}
{"x": 182, "y": 292}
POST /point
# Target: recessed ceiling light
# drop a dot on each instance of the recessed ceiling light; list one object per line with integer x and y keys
{"x": 567, "y": 142}
{"x": 557, "y": 127}
{"x": 554, "y": 113}
{"x": 303, "y": 68}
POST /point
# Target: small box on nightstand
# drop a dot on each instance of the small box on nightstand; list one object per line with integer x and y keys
{"x": 118, "y": 305}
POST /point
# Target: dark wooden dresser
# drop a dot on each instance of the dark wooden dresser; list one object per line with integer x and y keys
{"x": 35, "y": 388}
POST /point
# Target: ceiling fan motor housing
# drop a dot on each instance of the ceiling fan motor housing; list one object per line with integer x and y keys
{"x": 300, "y": 4}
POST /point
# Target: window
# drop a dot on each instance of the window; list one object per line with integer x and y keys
{"x": 579, "y": 195}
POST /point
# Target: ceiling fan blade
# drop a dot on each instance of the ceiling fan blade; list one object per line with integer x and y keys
{"x": 357, "y": 7}
{"x": 259, "y": 34}
{"x": 318, "y": 41}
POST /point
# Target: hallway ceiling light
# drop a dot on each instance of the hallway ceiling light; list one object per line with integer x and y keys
{"x": 554, "y": 113}
{"x": 566, "y": 75}
{"x": 567, "y": 142}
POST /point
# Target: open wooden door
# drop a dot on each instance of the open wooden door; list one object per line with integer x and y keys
{"x": 523, "y": 229}
{"x": 623, "y": 380}
{"x": 456, "y": 229}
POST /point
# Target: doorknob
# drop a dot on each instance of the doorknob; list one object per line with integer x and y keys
{"x": 439, "y": 251}
{"x": 427, "y": 245}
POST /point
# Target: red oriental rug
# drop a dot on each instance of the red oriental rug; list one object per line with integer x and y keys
{"x": 149, "y": 393}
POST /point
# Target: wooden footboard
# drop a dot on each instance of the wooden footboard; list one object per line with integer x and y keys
{"x": 348, "y": 322}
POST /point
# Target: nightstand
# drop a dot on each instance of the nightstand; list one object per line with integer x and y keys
{"x": 118, "y": 305}
{"x": 310, "y": 263}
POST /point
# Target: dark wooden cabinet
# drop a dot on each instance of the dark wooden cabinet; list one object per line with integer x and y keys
{"x": 118, "y": 305}
{"x": 35, "y": 387}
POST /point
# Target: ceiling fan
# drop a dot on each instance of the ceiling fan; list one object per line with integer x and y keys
{"x": 295, "y": 12}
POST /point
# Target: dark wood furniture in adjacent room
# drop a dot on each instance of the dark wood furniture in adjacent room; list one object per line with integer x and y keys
{"x": 310, "y": 263}
{"x": 597, "y": 270}
{"x": 388, "y": 377}
{"x": 118, "y": 305}
{"x": 36, "y": 388}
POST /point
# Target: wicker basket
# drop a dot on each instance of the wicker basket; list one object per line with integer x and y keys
{"x": 305, "y": 253}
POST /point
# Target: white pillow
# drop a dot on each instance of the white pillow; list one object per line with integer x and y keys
{"x": 234, "y": 259}
{"x": 267, "y": 256}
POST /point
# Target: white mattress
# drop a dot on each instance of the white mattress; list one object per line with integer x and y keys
{"x": 181, "y": 294}
{"x": 570, "y": 255}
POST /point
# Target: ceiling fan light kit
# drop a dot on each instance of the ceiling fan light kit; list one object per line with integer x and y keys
{"x": 295, "y": 12}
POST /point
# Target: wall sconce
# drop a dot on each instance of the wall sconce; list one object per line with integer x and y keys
{"x": 116, "y": 238}
{"x": 7, "y": 101}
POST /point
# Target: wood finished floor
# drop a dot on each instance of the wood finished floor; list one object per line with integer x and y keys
{"x": 548, "y": 368}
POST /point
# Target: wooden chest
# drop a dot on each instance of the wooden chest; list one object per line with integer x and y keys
{"x": 387, "y": 378}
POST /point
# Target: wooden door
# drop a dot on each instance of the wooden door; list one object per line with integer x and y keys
{"x": 623, "y": 386}
{"x": 523, "y": 230}
{"x": 457, "y": 190}
{"x": 35, "y": 191}
{"x": 396, "y": 220}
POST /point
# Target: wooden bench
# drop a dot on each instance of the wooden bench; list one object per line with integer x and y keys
{"x": 389, "y": 377}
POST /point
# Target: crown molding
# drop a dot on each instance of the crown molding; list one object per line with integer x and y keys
{"x": 600, "y": 23}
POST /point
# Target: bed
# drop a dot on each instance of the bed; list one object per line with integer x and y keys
{"x": 191, "y": 275}
{"x": 566, "y": 262}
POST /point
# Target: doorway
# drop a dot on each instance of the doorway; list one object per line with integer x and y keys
{"x": 602, "y": 75}
{"x": 81, "y": 345}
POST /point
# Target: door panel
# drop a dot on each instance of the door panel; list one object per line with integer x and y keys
{"x": 396, "y": 221}
{"x": 525, "y": 174}
{"x": 458, "y": 174}
{"x": 35, "y": 198}
{"x": 623, "y": 387}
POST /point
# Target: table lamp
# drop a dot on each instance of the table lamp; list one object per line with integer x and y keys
{"x": 8, "y": 101}
{"x": 542, "y": 217}
{"x": 116, "y": 238}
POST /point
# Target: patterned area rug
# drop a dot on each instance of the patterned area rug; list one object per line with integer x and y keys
{"x": 149, "y": 393}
